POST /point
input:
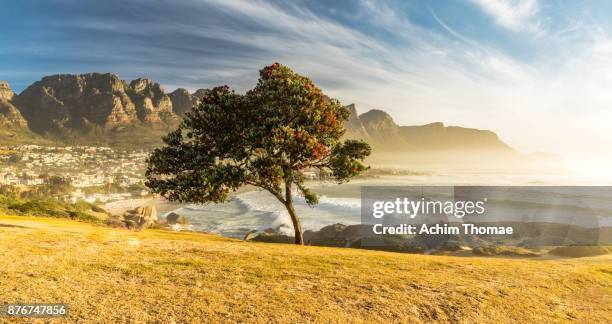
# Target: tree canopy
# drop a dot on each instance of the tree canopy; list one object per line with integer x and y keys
{"x": 267, "y": 138}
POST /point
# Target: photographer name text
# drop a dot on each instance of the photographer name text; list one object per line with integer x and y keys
{"x": 441, "y": 229}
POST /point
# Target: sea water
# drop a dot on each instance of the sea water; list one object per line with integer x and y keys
{"x": 338, "y": 203}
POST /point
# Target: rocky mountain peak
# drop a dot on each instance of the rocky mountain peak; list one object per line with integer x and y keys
{"x": 153, "y": 106}
{"x": 199, "y": 94}
{"x": 142, "y": 85}
{"x": 353, "y": 110}
{"x": 10, "y": 116}
{"x": 73, "y": 86}
{"x": 100, "y": 107}
{"x": 378, "y": 120}
{"x": 182, "y": 101}
{"x": 62, "y": 102}
{"x": 375, "y": 116}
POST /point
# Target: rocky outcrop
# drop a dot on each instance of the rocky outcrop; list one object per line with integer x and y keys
{"x": 382, "y": 131}
{"x": 140, "y": 218}
{"x": 182, "y": 101}
{"x": 354, "y": 127}
{"x": 153, "y": 106}
{"x": 63, "y": 102}
{"x": 10, "y": 116}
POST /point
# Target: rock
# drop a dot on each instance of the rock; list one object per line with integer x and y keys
{"x": 174, "y": 218}
{"x": 141, "y": 217}
{"x": 6, "y": 93}
{"x": 10, "y": 117}
{"x": 199, "y": 94}
{"x": 353, "y": 125}
{"x": 273, "y": 238}
{"x": 337, "y": 235}
{"x": 182, "y": 101}
{"x": 270, "y": 235}
{"x": 153, "y": 106}
{"x": 63, "y": 103}
{"x": 329, "y": 232}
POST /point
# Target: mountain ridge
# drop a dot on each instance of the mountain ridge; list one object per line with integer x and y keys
{"x": 101, "y": 108}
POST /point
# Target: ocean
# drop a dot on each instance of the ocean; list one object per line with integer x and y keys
{"x": 259, "y": 210}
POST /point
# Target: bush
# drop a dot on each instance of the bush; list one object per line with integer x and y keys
{"x": 46, "y": 207}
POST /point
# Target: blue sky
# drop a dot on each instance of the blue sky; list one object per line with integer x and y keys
{"x": 539, "y": 73}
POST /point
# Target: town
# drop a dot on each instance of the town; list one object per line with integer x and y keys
{"x": 72, "y": 173}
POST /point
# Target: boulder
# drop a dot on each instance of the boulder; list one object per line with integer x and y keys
{"x": 174, "y": 218}
{"x": 141, "y": 217}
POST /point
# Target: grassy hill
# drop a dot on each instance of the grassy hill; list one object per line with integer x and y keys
{"x": 117, "y": 275}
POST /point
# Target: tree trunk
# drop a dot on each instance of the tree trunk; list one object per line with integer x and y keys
{"x": 297, "y": 225}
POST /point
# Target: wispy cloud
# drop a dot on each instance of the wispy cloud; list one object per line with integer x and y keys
{"x": 419, "y": 71}
{"x": 516, "y": 15}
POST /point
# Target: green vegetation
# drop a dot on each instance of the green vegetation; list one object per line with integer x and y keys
{"x": 267, "y": 138}
{"x": 46, "y": 207}
{"x": 116, "y": 275}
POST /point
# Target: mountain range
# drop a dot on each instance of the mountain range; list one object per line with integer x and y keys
{"x": 102, "y": 109}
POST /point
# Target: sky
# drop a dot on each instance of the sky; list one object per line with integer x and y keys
{"x": 538, "y": 73}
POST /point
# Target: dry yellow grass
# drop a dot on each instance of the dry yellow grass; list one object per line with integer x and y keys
{"x": 112, "y": 275}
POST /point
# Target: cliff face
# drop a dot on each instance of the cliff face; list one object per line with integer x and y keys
{"x": 378, "y": 128}
{"x": 10, "y": 116}
{"x": 13, "y": 127}
{"x": 383, "y": 132}
{"x": 66, "y": 102}
{"x": 94, "y": 107}
{"x": 63, "y": 102}
{"x": 354, "y": 127}
{"x": 153, "y": 106}
{"x": 182, "y": 101}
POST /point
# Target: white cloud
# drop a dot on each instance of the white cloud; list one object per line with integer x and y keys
{"x": 515, "y": 15}
{"x": 554, "y": 104}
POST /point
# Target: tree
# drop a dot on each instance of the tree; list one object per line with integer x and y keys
{"x": 266, "y": 138}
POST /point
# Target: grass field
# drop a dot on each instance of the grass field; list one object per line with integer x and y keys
{"x": 111, "y": 275}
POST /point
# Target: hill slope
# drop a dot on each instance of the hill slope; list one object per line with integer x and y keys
{"x": 14, "y": 128}
{"x": 116, "y": 275}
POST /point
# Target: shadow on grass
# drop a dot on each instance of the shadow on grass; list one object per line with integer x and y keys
{"x": 12, "y": 225}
